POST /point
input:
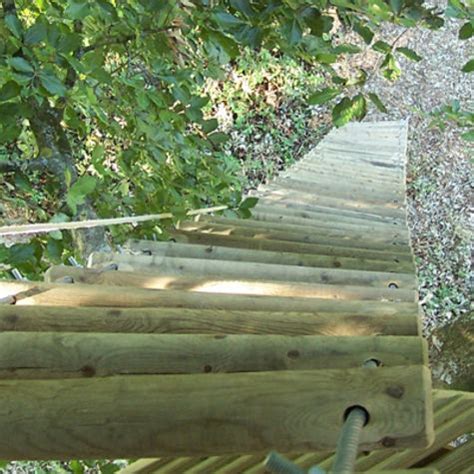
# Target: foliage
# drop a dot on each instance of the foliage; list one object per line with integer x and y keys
{"x": 463, "y": 119}
{"x": 102, "y": 101}
{"x": 262, "y": 104}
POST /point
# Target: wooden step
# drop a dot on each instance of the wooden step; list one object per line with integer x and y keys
{"x": 228, "y": 269}
{"x": 211, "y": 252}
{"x": 172, "y": 320}
{"x": 209, "y": 414}
{"x": 54, "y": 355}
{"x": 65, "y": 294}
{"x": 234, "y": 286}
{"x": 237, "y": 241}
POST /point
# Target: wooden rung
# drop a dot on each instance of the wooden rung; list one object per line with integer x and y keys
{"x": 212, "y": 252}
{"x": 228, "y": 269}
{"x": 234, "y": 286}
{"x": 65, "y": 294}
{"x": 275, "y": 193}
{"x": 273, "y": 221}
{"x": 207, "y": 414}
{"x": 45, "y": 355}
{"x": 204, "y": 321}
{"x": 387, "y": 244}
{"x": 328, "y": 213}
{"x": 236, "y": 241}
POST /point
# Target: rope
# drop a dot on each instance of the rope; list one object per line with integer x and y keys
{"x": 52, "y": 226}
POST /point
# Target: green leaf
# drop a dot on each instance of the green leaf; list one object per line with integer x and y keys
{"x": 218, "y": 137}
{"x": 409, "y": 53}
{"x": 396, "y": 6}
{"x": 79, "y": 191}
{"x": 323, "y": 96}
{"x": 382, "y": 47}
{"x": 359, "y": 107}
{"x": 21, "y": 254}
{"x": 469, "y": 66}
{"x": 52, "y": 84}
{"x": 248, "y": 203}
{"x": 77, "y": 10}
{"x": 244, "y": 7}
{"x": 295, "y": 34}
{"x": 377, "y": 102}
{"x": 36, "y": 33}
{"x": 209, "y": 125}
{"x": 14, "y": 25}
{"x": 342, "y": 112}
{"x": 364, "y": 31}
{"x": 227, "y": 20}
{"x": 390, "y": 69}
{"x": 21, "y": 64}
{"x": 9, "y": 91}
{"x": 318, "y": 23}
{"x": 469, "y": 136}
{"x": 466, "y": 31}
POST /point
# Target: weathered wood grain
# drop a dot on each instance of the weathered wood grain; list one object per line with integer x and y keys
{"x": 185, "y": 415}
{"x": 228, "y": 269}
{"x": 228, "y": 286}
{"x": 205, "y": 321}
{"x": 45, "y": 355}
{"x": 62, "y": 294}
{"x": 213, "y": 252}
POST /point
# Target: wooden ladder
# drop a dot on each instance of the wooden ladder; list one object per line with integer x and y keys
{"x": 241, "y": 335}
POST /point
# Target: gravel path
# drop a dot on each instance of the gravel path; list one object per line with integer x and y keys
{"x": 440, "y": 184}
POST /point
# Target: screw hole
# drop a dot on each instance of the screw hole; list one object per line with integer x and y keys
{"x": 357, "y": 407}
{"x": 396, "y": 260}
{"x": 372, "y": 363}
{"x": 393, "y": 286}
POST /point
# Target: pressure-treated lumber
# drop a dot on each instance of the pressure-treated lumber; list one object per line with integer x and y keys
{"x": 241, "y": 229}
{"x": 227, "y": 269}
{"x": 229, "y": 286}
{"x": 454, "y": 417}
{"x": 61, "y": 294}
{"x": 214, "y": 252}
{"x": 204, "y": 321}
{"x": 389, "y": 254}
{"x": 456, "y": 461}
{"x": 343, "y": 216}
{"x": 446, "y": 404}
{"x": 276, "y": 221}
{"x": 184, "y": 415}
{"x": 44, "y": 355}
{"x": 393, "y": 209}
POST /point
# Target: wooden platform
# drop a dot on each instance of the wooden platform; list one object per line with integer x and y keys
{"x": 240, "y": 336}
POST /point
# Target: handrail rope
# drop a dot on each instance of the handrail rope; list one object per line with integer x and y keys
{"x": 53, "y": 226}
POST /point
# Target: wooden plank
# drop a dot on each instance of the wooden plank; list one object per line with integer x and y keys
{"x": 47, "y": 294}
{"x": 228, "y": 269}
{"x": 48, "y": 355}
{"x": 453, "y": 419}
{"x": 294, "y": 234}
{"x": 304, "y": 216}
{"x": 367, "y": 193}
{"x": 228, "y": 286}
{"x": 186, "y": 415}
{"x": 459, "y": 460}
{"x": 273, "y": 221}
{"x": 213, "y": 252}
{"x": 324, "y": 212}
{"x": 390, "y": 255}
{"x": 389, "y": 210}
{"x": 205, "y": 321}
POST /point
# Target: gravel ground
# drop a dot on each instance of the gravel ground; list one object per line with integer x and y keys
{"x": 439, "y": 183}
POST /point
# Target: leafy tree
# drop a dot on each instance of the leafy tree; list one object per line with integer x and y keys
{"x": 101, "y": 100}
